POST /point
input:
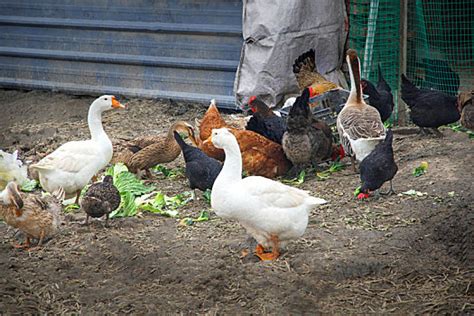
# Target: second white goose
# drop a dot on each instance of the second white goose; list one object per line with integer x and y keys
{"x": 273, "y": 213}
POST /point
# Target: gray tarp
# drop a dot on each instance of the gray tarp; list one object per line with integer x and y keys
{"x": 276, "y": 33}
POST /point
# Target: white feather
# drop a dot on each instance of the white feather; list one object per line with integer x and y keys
{"x": 11, "y": 169}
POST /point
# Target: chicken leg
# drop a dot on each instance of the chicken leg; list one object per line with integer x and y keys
{"x": 40, "y": 242}
{"x": 25, "y": 245}
{"x": 390, "y": 191}
{"x": 424, "y": 131}
{"x": 436, "y": 132}
{"x": 353, "y": 163}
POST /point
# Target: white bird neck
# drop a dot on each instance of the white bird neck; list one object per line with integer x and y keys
{"x": 94, "y": 120}
{"x": 232, "y": 169}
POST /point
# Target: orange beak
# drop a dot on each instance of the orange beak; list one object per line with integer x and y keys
{"x": 116, "y": 104}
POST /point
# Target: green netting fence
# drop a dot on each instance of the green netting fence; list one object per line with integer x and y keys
{"x": 439, "y": 42}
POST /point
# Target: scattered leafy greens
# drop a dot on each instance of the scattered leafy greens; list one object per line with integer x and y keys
{"x": 169, "y": 173}
{"x": 421, "y": 169}
{"x": 388, "y": 124}
{"x": 296, "y": 181}
{"x": 459, "y": 128}
{"x": 357, "y": 191}
{"x": 413, "y": 193}
{"x": 204, "y": 216}
{"x": 335, "y": 167}
{"x": 129, "y": 187}
{"x": 207, "y": 196}
{"x": 71, "y": 207}
{"x": 29, "y": 185}
{"x": 163, "y": 204}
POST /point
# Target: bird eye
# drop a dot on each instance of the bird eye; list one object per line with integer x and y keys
{"x": 105, "y": 99}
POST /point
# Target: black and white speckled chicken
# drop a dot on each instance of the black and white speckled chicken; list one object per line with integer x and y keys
{"x": 306, "y": 140}
{"x": 201, "y": 170}
{"x": 378, "y": 167}
{"x": 100, "y": 199}
{"x": 264, "y": 121}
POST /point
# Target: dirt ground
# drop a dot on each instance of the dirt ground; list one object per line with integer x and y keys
{"x": 400, "y": 254}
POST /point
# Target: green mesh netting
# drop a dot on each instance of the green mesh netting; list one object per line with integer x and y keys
{"x": 375, "y": 35}
{"x": 440, "y": 42}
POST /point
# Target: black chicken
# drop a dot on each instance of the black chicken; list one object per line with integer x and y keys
{"x": 380, "y": 96}
{"x": 201, "y": 170}
{"x": 306, "y": 140}
{"x": 378, "y": 167}
{"x": 101, "y": 199}
{"x": 264, "y": 121}
{"x": 429, "y": 108}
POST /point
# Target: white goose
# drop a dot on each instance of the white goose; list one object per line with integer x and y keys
{"x": 273, "y": 213}
{"x": 73, "y": 164}
{"x": 359, "y": 125}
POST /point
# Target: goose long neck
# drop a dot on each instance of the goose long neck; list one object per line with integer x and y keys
{"x": 94, "y": 120}
{"x": 354, "y": 73}
{"x": 232, "y": 168}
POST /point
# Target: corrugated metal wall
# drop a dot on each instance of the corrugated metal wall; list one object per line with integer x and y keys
{"x": 183, "y": 49}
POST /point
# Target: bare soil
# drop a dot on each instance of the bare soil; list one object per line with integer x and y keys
{"x": 400, "y": 254}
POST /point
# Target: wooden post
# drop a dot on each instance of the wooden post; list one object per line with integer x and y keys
{"x": 402, "y": 108}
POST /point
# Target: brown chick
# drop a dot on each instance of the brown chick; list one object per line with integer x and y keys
{"x": 34, "y": 216}
{"x": 307, "y": 75}
{"x": 145, "y": 152}
{"x": 466, "y": 108}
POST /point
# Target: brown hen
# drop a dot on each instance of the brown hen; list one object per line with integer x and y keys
{"x": 260, "y": 156}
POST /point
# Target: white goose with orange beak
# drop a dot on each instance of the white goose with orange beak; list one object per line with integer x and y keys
{"x": 73, "y": 164}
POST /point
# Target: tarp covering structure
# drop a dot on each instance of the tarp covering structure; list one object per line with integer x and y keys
{"x": 276, "y": 33}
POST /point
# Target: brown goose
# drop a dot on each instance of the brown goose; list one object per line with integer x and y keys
{"x": 145, "y": 152}
{"x": 359, "y": 125}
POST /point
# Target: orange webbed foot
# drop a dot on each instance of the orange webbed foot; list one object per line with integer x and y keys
{"x": 266, "y": 256}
